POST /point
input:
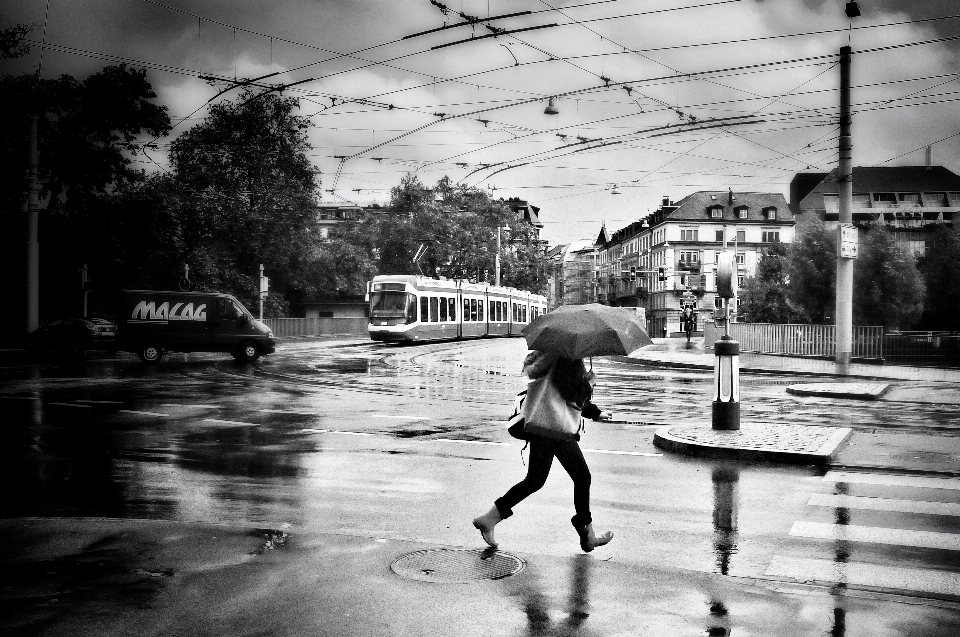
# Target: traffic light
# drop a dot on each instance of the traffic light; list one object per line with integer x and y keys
{"x": 662, "y": 273}
{"x": 633, "y": 273}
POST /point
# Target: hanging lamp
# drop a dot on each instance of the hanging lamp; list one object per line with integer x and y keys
{"x": 551, "y": 108}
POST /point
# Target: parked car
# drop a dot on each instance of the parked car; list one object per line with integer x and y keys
{"x": 106, "y": 336}
{"x": 70, "y": 335}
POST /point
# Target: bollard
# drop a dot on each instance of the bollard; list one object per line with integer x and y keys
{"x": 726, "y": 383}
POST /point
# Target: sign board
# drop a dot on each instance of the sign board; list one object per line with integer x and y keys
{"x": 847, "y": 241}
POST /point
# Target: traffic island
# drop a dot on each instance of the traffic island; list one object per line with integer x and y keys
{"x": 859, "y": 391}
{"x": 792, "y": 444}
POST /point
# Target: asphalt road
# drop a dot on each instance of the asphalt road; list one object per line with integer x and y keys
{"x": 407, "y": 444}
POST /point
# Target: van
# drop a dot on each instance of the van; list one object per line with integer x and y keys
{"x": 151, "y": 323}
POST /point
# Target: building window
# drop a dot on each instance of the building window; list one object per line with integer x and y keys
{"x": 831, "y": 203}
{"x": 741, "y": 236}
{"x": 716, "y": 212}
{"x": 690, "y": 257}
{"x": 740, "y": 279}
{"x": 741, "y": 212}
{"x": 909, "y": 199}
{"x": 884, "y": 199}
{"x": 741, "y": 258}
{"x": 771, "y": 213}
{"x": 688, "y": 234}
{"x": 935, "y": 199}
{"x": 954, "y": 199}
{"x": 719, "y": 236}
{"x": 718, "y": 303}
{"x": 770, "y": 236}
{"x": 861, "y": 200}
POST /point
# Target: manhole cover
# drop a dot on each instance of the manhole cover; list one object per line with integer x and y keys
{"x": 453, "y": 566}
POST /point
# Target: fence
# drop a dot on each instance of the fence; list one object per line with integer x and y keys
{"x": 355, "y": 326}
{"x": 922, "y": 348}
{"x": 796, "y": 339}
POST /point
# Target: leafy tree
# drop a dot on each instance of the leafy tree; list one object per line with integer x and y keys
{"x": 940, "y": 267}
{"x": 249, "y": 191}
{"x": 812, "y": 272}
{"x": 887, "y": 288}
{"x": 12, "y": 43}
{"x": 764, "y": 296}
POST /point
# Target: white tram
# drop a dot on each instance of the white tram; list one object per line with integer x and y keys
{"x": 414, "y": 308}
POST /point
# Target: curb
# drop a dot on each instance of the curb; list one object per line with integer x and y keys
{"x": 738, "y": 449}
{"x": 873, "y": 391}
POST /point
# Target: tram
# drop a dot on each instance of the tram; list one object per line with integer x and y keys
{"x": 415, "y": 308}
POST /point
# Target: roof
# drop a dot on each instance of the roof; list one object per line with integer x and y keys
{"x": 886, "y": 179}
{"x": 604, "y": 237}
{"x": 694, "y": 207}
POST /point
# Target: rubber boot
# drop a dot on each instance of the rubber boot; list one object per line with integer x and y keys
{"x": 485, "y": 524}
{"x": 589, "y": 540}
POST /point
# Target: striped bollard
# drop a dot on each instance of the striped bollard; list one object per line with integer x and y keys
{"x": 726, "y": 384}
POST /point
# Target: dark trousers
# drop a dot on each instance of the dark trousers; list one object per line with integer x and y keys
{"x": 542, "y": 452}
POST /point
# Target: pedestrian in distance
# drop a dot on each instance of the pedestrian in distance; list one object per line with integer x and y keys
{"x": 574, "y": 382}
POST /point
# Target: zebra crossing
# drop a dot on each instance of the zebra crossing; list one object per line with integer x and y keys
{"x": 895, "y": 532}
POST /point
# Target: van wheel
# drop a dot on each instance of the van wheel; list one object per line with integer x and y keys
{"x": 150, "y": 353}
{"x": 248, "y": 352}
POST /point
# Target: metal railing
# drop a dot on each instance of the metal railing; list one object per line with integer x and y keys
{"x": 283, "y": 327}
{"x": 798, "y": 339}
{"x": 940, "y": 349}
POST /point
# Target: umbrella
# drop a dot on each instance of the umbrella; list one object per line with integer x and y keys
{"x": 579, "y": 331}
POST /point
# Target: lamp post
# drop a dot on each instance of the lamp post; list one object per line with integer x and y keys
{"x": 726, "y": 369}
{"x": 497, "y": 259}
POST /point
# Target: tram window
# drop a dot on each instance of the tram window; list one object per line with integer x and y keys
{"x": 524, "y": 314}
{"x": 473, "y": 309}
{"x": 480, "y": 305}
{"x": 433, "y": 309}
{"x": 499, "y": 310}
{"x": 424, "y": 309}
{"x": 453, "y": 308}
{"x": 443, "y": 309}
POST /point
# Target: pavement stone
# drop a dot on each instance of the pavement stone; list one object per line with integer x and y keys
{"x": 774, "y": 442}
{"x": 864, "y": 391}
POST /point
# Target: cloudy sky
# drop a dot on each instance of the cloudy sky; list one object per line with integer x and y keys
{"x": 659, "y": 98}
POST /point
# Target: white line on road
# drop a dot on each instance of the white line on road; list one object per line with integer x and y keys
{"x": 233, "y": 423}
{"x": 314, "y": 431}
{"x": 100, "y": 402}
{"x": 189, "y": 406}
{"x": 469, "y": 442}
{"x": 892, "y": 480}
{"x": 624, "y": 453}
{"x": 142, "y": 413}
{"x": 351, "y": 433}
{"x": 857, "y": 574}
{"x": 292, "y": 412}
{"x": 400, "y": 417}
{"x": 876, "y": 535}
{"x": 884, "y": 504}
{"x": 72, "y": 405}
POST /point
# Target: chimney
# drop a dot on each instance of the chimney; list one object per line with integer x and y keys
{"x": 666, "y": 201}
{"x": 929, "y": 158}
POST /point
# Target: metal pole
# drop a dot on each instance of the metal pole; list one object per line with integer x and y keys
{"x": 844, "y": 293}
{"x": 261, "y": 291}
{"x": 33, "y": 223}
{"x": 497, "y": 260}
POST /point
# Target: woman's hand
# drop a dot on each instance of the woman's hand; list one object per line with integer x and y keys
{"x": 605, "y": 415}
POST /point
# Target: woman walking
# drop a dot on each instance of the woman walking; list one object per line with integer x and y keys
{"x": 575, "y": 385}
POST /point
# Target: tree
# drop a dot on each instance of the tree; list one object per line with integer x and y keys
{"x": 888, "y": 289}
{"x": 764, "y": 296}
{"x": 249, "y": 197}
{"x": 940, "y": 267}
{"x": 811, "y": 272}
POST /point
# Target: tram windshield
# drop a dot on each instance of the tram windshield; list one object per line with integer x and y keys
{"x": 393, "y": 305}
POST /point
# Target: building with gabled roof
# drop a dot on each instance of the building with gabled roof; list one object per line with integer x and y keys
{"x": 668, "y": 259}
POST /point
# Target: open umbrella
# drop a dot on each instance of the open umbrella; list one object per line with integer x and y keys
{"x": 579, "y": 331}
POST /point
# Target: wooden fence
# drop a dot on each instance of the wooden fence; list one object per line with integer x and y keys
{"x": 351, "y": 326}
{"x": 796, "y": 339}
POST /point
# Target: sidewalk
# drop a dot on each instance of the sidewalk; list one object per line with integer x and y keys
{"x": 816, "y": 444}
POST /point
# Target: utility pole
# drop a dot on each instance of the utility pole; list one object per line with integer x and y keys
{"x": 33, "y": 223}
{"x": 844, "y": 292}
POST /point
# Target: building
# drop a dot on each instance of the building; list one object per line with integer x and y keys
{"x": 668, "y": 259}
{"x": 910, "y": 200}
{"x": 572, "y": 278}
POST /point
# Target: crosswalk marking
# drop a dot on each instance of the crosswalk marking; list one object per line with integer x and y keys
{"x": 884, "y": 504}
{"x": 859, "y": 574}
{"x": 893, "y": 480}
{"x": 876, "y": 535}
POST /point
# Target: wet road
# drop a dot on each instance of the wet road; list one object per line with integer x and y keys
{"x": 408, "y": 443}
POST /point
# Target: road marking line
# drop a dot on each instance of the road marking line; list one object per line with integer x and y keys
{"x": 876, "y": 535}
{"x": 859, "y": 574}
{"x": 314, "y": 431}
{"x": 884, "y": 504}
{"x": 892, "y": 480}
{"x": 100, "y": 402}
{"x": 293, "y": 412}
{"x": 400, "y": 417}
{"x": 141, "y": 413}
{"x": 469, "y": 442}
{"x": 72, "y": 405}
{"x": 231, "y": 422}
{"x": 350, "y": 433}
{"x": 624, "y": 453}
{"x": 189, "y": 406}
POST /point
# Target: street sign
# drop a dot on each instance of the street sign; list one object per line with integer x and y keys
{"x": 847, "y": 241}
{"x": 726, "y": 275}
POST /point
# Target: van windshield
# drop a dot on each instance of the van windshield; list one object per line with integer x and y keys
{"x": 395, "y": 305}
